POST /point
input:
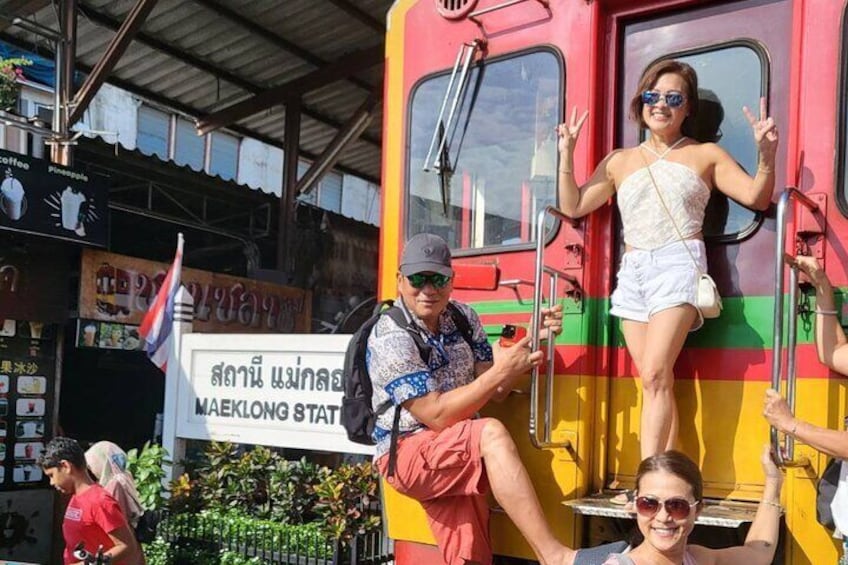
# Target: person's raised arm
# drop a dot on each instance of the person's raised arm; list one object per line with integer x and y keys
{"x": 729, "y": 177}
{"x": 831, "y": 344}
{"x": 439, "y": 410}
{"x": 576, "y": 201}
{"x": 761, "y": 541}
{"x": 832, "y": 442}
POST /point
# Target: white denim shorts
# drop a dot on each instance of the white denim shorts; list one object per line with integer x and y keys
{"x": 653, "y": 280}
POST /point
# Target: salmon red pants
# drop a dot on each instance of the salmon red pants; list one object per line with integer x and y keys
{"x": 445, "y": 473}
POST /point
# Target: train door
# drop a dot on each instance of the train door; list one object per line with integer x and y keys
{"x": 741, "y": 51}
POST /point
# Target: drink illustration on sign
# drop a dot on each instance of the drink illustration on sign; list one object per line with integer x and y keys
{"x": 12, "y": 197}
{"x": 73, "y": 209}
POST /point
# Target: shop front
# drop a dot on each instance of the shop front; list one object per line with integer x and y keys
{"x": 47, "y": 214}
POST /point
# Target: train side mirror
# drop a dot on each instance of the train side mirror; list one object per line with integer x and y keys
{"x": 475, "y": 276}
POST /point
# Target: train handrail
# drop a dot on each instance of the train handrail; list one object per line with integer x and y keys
{"x": 535, "y": 322}
{"x": 785, "y": 456}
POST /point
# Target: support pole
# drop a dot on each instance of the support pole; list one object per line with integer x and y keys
{"x": 60, "y": 151}
{"x": 182, "y": 324}
{"x": 285, "y": 229}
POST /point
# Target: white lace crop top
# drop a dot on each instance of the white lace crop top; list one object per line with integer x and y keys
{"x": 644, "y": 219}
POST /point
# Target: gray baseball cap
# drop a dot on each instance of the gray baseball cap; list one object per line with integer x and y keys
{"x": 426, "y": 252}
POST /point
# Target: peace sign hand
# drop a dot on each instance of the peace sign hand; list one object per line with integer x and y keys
{"x": 765, "y": 131}
{"x": 568, "y": 132}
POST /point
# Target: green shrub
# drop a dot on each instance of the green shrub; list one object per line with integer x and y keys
{"x": 348, "y": 501}
{"x": 292, "y": 485}
{"x": 147, "y": 471}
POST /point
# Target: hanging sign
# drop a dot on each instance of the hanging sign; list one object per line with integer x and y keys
{"x": 119, "y": 289}
{"x": 42, "y": 198}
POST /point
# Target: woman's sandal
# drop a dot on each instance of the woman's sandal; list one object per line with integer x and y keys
{"x": 623, "y": 498}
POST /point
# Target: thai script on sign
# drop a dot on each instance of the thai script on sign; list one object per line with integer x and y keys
{"x": 280, "y": 386}
{"x": 120, "y": 289}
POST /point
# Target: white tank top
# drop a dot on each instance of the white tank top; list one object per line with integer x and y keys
{"x": 645, "y": 222}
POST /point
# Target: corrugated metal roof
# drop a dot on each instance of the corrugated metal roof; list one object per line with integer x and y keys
{"x": 239, "y": 61}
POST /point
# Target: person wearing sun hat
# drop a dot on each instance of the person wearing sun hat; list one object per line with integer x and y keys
{"x": 446, "y": 457}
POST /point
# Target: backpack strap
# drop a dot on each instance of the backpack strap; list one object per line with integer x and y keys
{"x": 461, "y": 322}
{"x": 399, "y": 317}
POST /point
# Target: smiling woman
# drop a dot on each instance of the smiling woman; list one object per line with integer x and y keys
{"x": 662, "y": 187}
{"x": 669, "y": 500}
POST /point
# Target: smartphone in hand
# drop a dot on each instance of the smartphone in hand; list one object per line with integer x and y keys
{"x": 510, "y": 334}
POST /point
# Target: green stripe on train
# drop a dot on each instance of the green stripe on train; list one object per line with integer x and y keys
{"x": 745, "y": 323}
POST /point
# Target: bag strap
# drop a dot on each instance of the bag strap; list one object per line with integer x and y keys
{"x": 461, "y": 322}
{"x": 399, "y": 317}
{"x": 662, "y": 201}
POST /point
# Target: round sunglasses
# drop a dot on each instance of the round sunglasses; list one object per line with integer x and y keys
{"x": 418, "y": 280}
{"x": 677, "y": 508}
{"x": 672, "y": 99}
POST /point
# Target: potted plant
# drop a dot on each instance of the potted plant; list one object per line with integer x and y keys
{"x": 10, "y": 87}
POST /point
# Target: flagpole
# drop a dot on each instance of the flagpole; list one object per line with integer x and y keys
{"x": 175, "y": 374}
{"x": 183, "y": 314}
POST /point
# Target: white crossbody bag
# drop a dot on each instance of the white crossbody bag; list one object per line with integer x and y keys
{"x": 708, "y": 299}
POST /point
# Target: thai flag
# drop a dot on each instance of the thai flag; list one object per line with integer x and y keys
{"x": 156, "y": 326}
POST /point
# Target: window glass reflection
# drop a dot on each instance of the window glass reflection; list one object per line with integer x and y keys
{"x": 499, "y": 166}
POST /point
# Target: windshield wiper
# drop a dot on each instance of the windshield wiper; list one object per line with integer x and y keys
{"x": 444, "y": 127}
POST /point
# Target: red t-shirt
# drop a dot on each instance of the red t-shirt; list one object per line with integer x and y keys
{"x": 89, "y": 518}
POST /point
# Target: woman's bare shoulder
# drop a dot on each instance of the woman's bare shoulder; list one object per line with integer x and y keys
{"x": 703, "y": 555}
{"x": 617, "y": 159}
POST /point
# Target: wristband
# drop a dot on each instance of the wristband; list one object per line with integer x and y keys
{"x": 774, "y": 504}
{"x": 826, "y": 312}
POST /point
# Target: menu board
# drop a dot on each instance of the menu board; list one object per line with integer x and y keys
{"x": 108, "y": 335}
{"x": 27, "y": 377}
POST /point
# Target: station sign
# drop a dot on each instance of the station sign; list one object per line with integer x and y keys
{"x": 273, "y": 390}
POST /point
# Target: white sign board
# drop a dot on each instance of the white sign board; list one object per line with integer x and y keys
{"x": 278, "y": 390}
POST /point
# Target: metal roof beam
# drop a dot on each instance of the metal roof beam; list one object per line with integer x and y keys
{"x": 273, "y": 38}
{"x": 343, "y": 67}
{"x": 106, "y": 21}
{"x": 20, "y": 9}
{"x": 123, "y": 37}
{"x": 360, "y": 15}
{"x": 349, "y": 133}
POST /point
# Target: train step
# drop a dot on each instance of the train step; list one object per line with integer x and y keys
{"x": 716, "y": 512}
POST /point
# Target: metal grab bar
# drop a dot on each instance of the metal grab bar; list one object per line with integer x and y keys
{"x": 785, "y": 456}
{"x": 468, "y": 50}
{"x": 535, "y": 322}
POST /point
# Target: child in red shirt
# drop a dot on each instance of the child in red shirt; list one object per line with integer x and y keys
{"x": 92, "y": 517}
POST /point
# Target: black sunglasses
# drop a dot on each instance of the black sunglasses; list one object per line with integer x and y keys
{"x": 676, "y": 507}
{"x": 418, "y": 280}
{"x": 672, "y": 99}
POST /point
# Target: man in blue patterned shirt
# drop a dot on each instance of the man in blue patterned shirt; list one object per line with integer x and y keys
{"x": 447, "y": 458}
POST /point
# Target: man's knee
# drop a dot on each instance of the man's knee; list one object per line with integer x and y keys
{"x": 495, "y": 437}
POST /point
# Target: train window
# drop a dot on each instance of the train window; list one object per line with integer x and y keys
{"x": 498, "y": 166}
{"x": 728, "y": 78}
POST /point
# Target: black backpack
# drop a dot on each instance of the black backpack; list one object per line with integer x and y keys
{"x": 357, "y": 414}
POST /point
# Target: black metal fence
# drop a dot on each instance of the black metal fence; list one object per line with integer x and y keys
{"x": 191, "y": 535}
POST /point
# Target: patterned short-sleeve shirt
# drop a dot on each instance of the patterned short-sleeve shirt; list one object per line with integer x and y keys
{"x": 399, "y": 374}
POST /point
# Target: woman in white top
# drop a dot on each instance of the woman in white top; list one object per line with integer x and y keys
{"x": 656, "y": 290}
